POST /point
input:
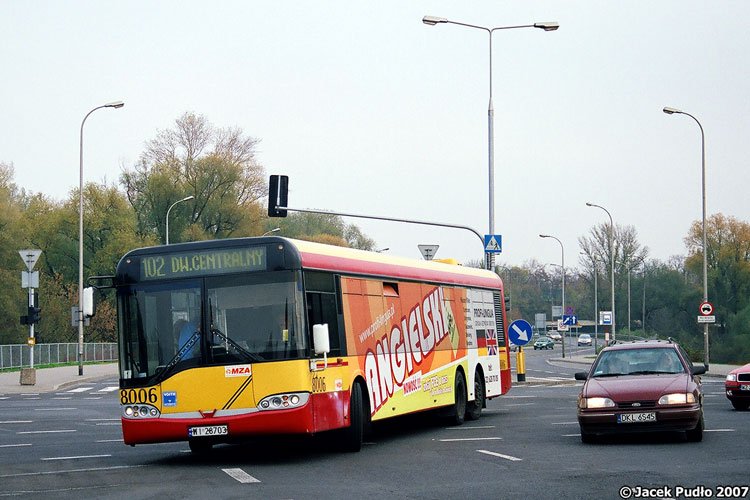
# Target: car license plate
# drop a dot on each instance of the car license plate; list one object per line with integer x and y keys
{"x": 745, "y": 387}
{"x": 634, "y": 418}
{"x": 208, "y": 430}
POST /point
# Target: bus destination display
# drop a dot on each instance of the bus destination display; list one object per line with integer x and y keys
{"x": 203, "y": 262}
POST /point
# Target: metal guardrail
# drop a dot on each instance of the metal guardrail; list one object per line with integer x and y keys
{"x": 17, "y": 355}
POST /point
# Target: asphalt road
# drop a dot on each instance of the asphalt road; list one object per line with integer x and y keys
{"x": 526, "y": 446}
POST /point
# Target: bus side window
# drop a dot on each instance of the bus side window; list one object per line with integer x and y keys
{"x": 323, "y": 306}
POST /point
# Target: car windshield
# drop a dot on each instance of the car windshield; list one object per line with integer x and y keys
{"x": 584, "y": 336}
{"x": 639, "y": 361}
{"x": 543, "y": 339}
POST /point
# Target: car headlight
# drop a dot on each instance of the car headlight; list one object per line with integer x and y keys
{"x": 732, "y": 377}
{"x": 679, "y": 398}
{"x": 597, "y": 403}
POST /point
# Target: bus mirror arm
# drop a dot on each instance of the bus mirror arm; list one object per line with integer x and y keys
{"x": 321, "y": 345}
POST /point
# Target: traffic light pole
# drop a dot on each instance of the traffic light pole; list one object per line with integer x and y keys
{"x": 31, "y": 329}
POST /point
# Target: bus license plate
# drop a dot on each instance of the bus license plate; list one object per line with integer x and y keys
{"x": 208, "y": 430}
{"x": 634, "y": 418}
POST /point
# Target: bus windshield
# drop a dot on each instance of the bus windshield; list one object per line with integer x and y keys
{"x": 170, "y": 326}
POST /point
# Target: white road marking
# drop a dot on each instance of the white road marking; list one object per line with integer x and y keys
{"x": 109, "y": 441}
{"x": 16, "y": 421}
{"x": 564, "y": 423}
{"x": 571, "y": 435}
{"x": 109, "y": 389}
{"x": 102, "y": 420}
{"x": 76, "y": 458}
{"x": 470, "y": 439}
{"x": 14, "y": 445}
{"x": 719, "y": 430}
{"x": 520, "y": 404}
{"x": 55, "y": 409}
{"x": 92, "y": 469}
{"x": 81, "y": 389}
{"x": 47, "y": 432}
{"x": 500, "y": 455}
{"x": 68, "y": 397}
{"x": 241, "y": 476}
{"x": 469, "y": 427}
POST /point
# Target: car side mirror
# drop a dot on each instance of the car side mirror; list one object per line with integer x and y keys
{"x": 698, "y": 370}
{"x": 581, "y": 375}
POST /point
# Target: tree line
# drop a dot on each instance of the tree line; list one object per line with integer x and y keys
{"x": 218, "y": 167}
{"x": 663, "y": 297}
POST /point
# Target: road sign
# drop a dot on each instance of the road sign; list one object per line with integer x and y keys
{"x": 540, "y": 320}
{"x": 29, "y": 279}
{"x": 557, "y": 311}
{"x": 570, "y": 320}
{"x": 562, "y": 327}
{"x": 428, "y": 251}
{"x": 570, "y": 310}
{"x": 706, "y": 309}
{"x": 706, "y": 319}
{"x": 605, "y": 317}
{"x": 30, "y": 257}
{"x": 519, "y": 332}
{"x": 493, "y": 243}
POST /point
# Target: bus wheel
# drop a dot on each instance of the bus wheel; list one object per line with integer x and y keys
{"x": 200, "y": 446}
{"x": 474, "y": 408}
{"x": 353, "y": 434}
{"x": 458, "y": 411}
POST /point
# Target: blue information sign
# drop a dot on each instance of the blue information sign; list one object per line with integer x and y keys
{"x": 493, "y": 243}
{"x": 519, "y": 332}
{"x": 570, "y": 319}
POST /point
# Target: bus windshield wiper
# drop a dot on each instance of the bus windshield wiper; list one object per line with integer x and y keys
{"x": 186, "y": 347}
{"x": 244, "y": 352}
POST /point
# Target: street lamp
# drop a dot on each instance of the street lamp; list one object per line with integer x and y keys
{"x": 116, "y": 105}
{"x": 547, "y": 26}
{"x": 276, "y": 229}
{"x": 562, "y": 248}
{"x": 612, "y": 262}
{"x": 672, "y": 111}
{"x": 170, "y": 208}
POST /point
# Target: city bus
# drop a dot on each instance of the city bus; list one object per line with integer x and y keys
{"x": 227, "y": 339}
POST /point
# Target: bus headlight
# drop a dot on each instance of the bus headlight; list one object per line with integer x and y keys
{"x": 139, "y": 411}
{"x": 284, "y": 401}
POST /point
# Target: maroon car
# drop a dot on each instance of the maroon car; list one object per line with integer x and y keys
{"x": 641, "y": 387}
{"x": 738, "y": 387}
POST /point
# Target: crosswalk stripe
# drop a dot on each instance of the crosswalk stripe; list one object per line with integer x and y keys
{"x": 241, "y": 476}
{"x": 81, "y": 389}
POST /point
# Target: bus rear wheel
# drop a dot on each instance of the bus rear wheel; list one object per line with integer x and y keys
{"x": 458, "y": 410}
{"x": 352, "y": 435}
{"x": 474, "y": 408}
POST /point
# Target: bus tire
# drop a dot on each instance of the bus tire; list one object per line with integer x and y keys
{"x": 474, "y": 408}
{"x": 458, "y": 410}
{"x": 352, "y": 435}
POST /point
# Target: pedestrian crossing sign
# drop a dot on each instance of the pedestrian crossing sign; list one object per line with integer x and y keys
{"x": 493, "y": 243}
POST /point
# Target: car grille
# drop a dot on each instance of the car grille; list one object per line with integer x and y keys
{"x": 636, "y": 404}
{"x": 743, "y": 377}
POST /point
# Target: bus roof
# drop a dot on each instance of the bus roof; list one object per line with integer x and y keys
{"x": 351, "y": 260}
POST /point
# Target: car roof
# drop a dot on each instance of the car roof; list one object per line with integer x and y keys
{"x": 640, "y": 344}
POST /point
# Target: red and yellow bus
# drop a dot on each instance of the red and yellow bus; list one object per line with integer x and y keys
{"x": 221, "y": 340}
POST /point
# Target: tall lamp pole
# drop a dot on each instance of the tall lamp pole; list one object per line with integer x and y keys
{"x": 170, "y": 208}
{"x": 548, "y": 26}
{"x": 672, "y": 111}
{"x": 611, "y": 260}
{"x": 562, "y": 248}
{"x": 116, "y": 105}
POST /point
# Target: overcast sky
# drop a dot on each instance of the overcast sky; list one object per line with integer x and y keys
{"x": 370, "y": 111}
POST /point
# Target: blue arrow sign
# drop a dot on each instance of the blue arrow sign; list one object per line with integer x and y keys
{"x": 570, "y": 319}
{"x": 519, "y": 332}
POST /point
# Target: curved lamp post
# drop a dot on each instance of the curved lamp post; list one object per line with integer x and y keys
{"x": 548, "y": 26}
{"x": 611, "y": 260}
{"x": 170, "y": 208}
{"x": 274, "y": 230}
{"x": 672, "y": 111}
{"x": 116, "y": 105}
{"x": 562, "y": 248}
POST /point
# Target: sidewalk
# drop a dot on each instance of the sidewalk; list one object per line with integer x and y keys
{"x": 55, "y": 379}
{"x": 714, "y": 370}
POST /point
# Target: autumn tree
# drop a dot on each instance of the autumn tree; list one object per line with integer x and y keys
{"x": 217, "y": 166}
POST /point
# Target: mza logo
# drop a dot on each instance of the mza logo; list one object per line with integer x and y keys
{"x": 238, "y": 371}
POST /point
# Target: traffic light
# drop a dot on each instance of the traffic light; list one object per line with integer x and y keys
{"x": 278, "y": 188}
{"x": 34, "y": 313}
